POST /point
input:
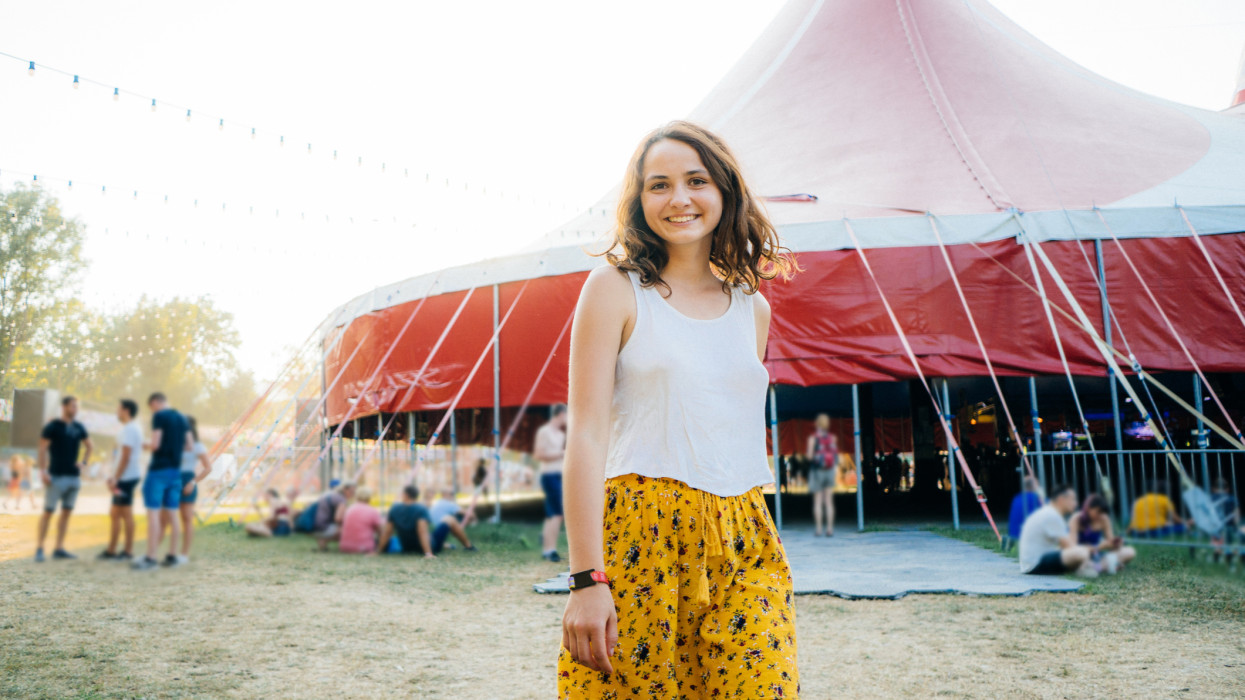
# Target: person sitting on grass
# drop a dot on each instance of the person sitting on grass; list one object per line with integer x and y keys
{"x": 411, "y": 523}
{"x": 361, "y": 525}
{"x": 448, "y": 518}
{"x": 1154, "y": 515}
{"x": 1046, "y": 547}
{"x": 1091, "y": 527}
{"x": 330, "y": 512}
{"x": 279, "y": 523}
{"x": 1024, "y": 504}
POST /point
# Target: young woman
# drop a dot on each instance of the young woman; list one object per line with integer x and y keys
{"x": 190, "y": 484}
{"x": 680, "y": 586}
{"x": 1091, "y": 526}
{"x": 823, "y": 474}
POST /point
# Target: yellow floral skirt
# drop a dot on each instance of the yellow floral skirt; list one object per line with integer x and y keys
{"x": 703, "y": 594}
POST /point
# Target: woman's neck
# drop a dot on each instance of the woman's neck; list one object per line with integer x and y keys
{"x": 688, "y": 265}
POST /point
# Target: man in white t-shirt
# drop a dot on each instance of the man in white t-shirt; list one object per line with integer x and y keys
{"x": 549, "y": 450}
{"x": 128, "y": 473}
{"x": 1045, "y": 545}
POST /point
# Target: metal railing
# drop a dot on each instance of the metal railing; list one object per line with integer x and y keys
{"x": 1131, "y": 475}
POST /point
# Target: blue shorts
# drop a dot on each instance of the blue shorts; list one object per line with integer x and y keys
{"x": 188, "y": 477}
{"x": 162, "y": 489}
{"x": 552, "y": 485}
{"x": 440, "y": 534}
{"x": 282, "y": 529}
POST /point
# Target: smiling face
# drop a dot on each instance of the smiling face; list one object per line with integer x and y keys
{"x": 682, "y": 205}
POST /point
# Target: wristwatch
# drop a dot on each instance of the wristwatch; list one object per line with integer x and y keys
{"x": 585, "y": 579}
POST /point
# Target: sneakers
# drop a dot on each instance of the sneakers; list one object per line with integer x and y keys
{"x": 1087, "y": 570}
{"x": 124, "y": 556}
{"x": 62, "y": 554}
{"x": 551, "y": 555}
{"x": 39, "y": 555}
{"x": 472, "y": 548}
{"x": 173, "y": 560}
{"x": 145, "y": 564}
{"x": 105, "y": 556}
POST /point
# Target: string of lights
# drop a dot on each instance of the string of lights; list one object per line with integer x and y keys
{"x": 84, "y": 364}
{"x": 279, "y": 137}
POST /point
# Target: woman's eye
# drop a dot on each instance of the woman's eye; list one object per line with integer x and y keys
{"x": 658, "y": 186}
{"x": 698, "y": 181}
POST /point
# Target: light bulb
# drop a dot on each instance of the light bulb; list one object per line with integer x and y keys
{"x": 308, "y": 149}
{"x": 75, "y": 82}
{"x": 71, "y": 184}
{"x": 252, "y": 133}
{"x": 153, "y": 104}
{"x": 282, "y": 140}
{"x": 187, "y": 115}
{"x": 116, "y": 94}
{"x": 334, "y": 154}
{"x": 221, "y": 127}
{"x": 360, "y": 161}
{"x": 31, "y": 70}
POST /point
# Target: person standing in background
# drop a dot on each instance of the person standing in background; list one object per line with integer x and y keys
{"x": 61, "y": 472}
{"x": 170, "y": 436}
{"x": 123, "y": 482}
{"x": 823, "y": 456}
{"x": 549, "y": 451}
{"x": 195, "y": 453}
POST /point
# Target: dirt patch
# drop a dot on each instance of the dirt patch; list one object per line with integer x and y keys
{"x": 254, "y": 619}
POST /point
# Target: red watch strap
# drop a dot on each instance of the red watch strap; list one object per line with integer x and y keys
{"x": 599, "y": 576}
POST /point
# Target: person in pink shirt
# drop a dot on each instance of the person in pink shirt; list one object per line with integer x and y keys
{"x": 361, "y": 525}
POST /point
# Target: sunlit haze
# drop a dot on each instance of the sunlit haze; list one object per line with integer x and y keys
{"x": 528, "y": 110}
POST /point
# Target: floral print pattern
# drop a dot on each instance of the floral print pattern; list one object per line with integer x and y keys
{"x": 703, "y": 594}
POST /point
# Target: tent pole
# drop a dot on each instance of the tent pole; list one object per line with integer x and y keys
{"x": 496, "y": 404}
{"x": 778, "y": 480}
{"x": 453, "y": 442}
{"x": 856, "y": 455}
{"x": 1115, "y": 395}
{"x": 410, "y": 440}
{"x": 355, "y": 444}
{"x": 955, "y": 495}
{"x": 324, "y": 467}
{"x": 1203, "y": 437}
{"x": 1037, "y": 432}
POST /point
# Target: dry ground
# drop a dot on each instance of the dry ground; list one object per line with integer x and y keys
{"x": 258, "y": 619}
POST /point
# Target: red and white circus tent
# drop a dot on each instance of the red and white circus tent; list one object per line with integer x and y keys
{"x": 887, "y": 113}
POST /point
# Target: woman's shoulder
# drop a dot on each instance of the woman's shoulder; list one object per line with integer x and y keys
{"x": 607, "y": 288}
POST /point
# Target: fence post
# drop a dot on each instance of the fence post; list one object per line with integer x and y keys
{"x": 856, "y": 454}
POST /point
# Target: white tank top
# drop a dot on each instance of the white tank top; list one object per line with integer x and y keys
{"x": 689, "y": 397}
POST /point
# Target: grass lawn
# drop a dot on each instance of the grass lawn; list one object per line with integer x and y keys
{"x": 269, "y": 618}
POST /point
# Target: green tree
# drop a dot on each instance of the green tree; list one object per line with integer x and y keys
{"x": 40, "y": 263}
{"x": 182, "y": 347}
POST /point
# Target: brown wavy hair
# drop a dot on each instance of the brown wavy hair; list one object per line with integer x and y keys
{"x": 745, "y": 247}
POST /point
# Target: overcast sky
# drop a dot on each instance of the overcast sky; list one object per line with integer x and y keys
{"x": 530, "y": 111}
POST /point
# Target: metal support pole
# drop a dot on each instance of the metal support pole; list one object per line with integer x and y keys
{"x": 955, "y": 490}
{"x": 1121, "y": 475}
{"x": 357, "y": 444}
{"x": 496, "y": 406}
{"x": 323, "y": 467}
{"x": 856, "y": 456}
{"x": 773, "y": 432}
{"x": 411, "y": 449}
{"x": 453, "y": 447}
{"x": 1037, "y": 433}
{"x": 1203, "y": 435}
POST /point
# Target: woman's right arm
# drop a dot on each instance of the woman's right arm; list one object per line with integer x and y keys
{"x": 602, "y": 319}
